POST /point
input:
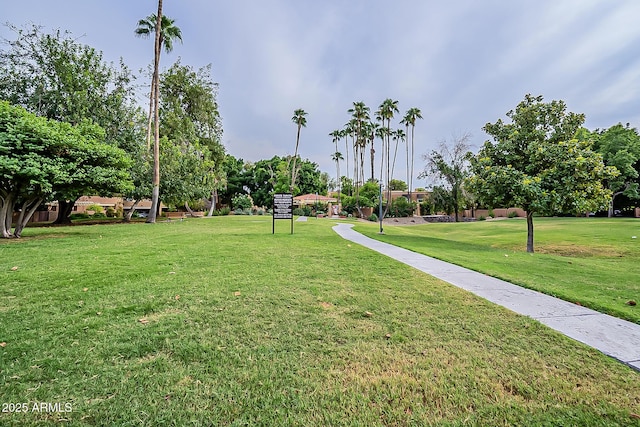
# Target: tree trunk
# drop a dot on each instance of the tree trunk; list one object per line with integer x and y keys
{"x": 129, "y": 215}
{"x": 155, "y": 195}
{"x": 295, "y": 156}
{"x": 613, "y": 197}
{"x": 412, "y": 159}
{"x": 214, "y": 194}
{"x": 65, "y": 209}
{"x": 529, "y": 232}
{"x": 373, "y": 155}
{"x": 186, "y": 206}
{"x": 6, "y": 216}
{"x": 27, "y": 211}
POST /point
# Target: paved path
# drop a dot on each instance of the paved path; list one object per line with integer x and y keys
{"x": 614, "y": 337}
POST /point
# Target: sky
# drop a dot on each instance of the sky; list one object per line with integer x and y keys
{"x": 463, "y": 63}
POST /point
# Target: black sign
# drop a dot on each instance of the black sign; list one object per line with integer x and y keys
{"x": 283, "y": 206}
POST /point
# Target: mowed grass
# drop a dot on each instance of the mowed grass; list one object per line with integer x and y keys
{"x": 594, "y": 262}
{"x": 218, "y": 322}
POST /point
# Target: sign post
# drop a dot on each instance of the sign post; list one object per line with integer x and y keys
{"x": 282, "y": 209}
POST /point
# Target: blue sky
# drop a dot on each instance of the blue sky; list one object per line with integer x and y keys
{"x": 463, "y": 63}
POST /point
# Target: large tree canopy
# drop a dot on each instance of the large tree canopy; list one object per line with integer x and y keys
{"x": 535, "y": 163}
{"x": 55, "y": 76}
{"x": 40, "y": 158}
{"x": 620, "y": 147}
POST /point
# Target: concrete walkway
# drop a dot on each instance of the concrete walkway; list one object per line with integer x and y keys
{"x": 614, "y": 337}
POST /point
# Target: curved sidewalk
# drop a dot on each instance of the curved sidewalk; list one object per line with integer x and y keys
{"x": 614, "y": 337}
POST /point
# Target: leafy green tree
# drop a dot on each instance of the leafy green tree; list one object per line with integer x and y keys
{"x": 40, "y": 158}
{"x": 448, "y": 168}
{"x": 398, "y": 185}
{"x": 535, "y": 163}
{"x": 620, "y": 147}
{"x": 189, "y": 117}
{"x": 238, "y": 176}
{"x": 55, "y": 76}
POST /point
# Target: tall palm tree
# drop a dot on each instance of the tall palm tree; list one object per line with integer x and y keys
{"x": 386, "y": 112}
{"x": 344, "y": 133}
{"x": 410, "y": 119}
{"x": 372, "y": 128}
{"x": 154, "y": 96}
{"x": 168, "y": 34}
{"x": 299, "y": 118}
{"x": 360, "y": 115}
{"x": 398, "y": 135}
{"x": 336, "y": 157}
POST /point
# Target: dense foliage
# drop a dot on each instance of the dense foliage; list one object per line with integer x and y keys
{"x": 40, "y": 158}
{"x": 536, "y": 163}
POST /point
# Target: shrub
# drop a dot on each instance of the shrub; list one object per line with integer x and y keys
{"x": 299, "y": 212}
{"x": 111, "y": 213}
{"x": 80, "y": 216}
{"x": 401, "y": 207}
{"x": 513, "y": 214}
{"x": 260, "y": 212}
{"x": 482, "y": 218}
{"x": 98, "y": 215}
{"x": 95, "y": 208}
{"x": 242, "y": 201}
{"x": 373, "y": 217}
{"x": 491, "y": 214}
{"x": 426, "y": 208}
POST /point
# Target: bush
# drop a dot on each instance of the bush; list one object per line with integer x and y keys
{"x": 95, "y": 208}
{"x": 98, "y": 215}
{"x": 401, "y": 207}
{"x": 426, "y": 208}
{"x": 242, "y": 201}
{"x": 298, "y": 212}
{"x": 482, "y": 218}
{"x": 111, "y": 213}
{"x": 373, "y": 217}
{"x": 491, "y": 214}
{"x": 79, "y": 216}
{"x": 513, "y": 214}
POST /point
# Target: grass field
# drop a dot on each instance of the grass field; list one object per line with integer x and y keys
{"x": 219, "y": 322}
{"x": 591, "y": 261}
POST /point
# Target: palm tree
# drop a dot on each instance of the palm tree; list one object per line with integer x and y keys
{"x": 336, "y": 157}
{"x": 360, "y": 115}
{"x": 154, "y": 96}
{"x": 372, "y": 129}
{"x": 398, "y": 135}
{"x": 168, "y": 33}
{"x": 344, "y": 133}
{"x": 386, "y": 111}
{"x": 410, "y": 119}
{"x": 301, "y": 121}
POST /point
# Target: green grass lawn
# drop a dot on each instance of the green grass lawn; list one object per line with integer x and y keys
{"x": 219, "y": 322}
{"x": 591, "y": 261}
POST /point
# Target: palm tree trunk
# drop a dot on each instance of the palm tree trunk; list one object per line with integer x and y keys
{"x": 155, "y": 195}
{"x": 406, "y": 145}
{"x": 295, "y": 155}
{"x": 413, "y": 127}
